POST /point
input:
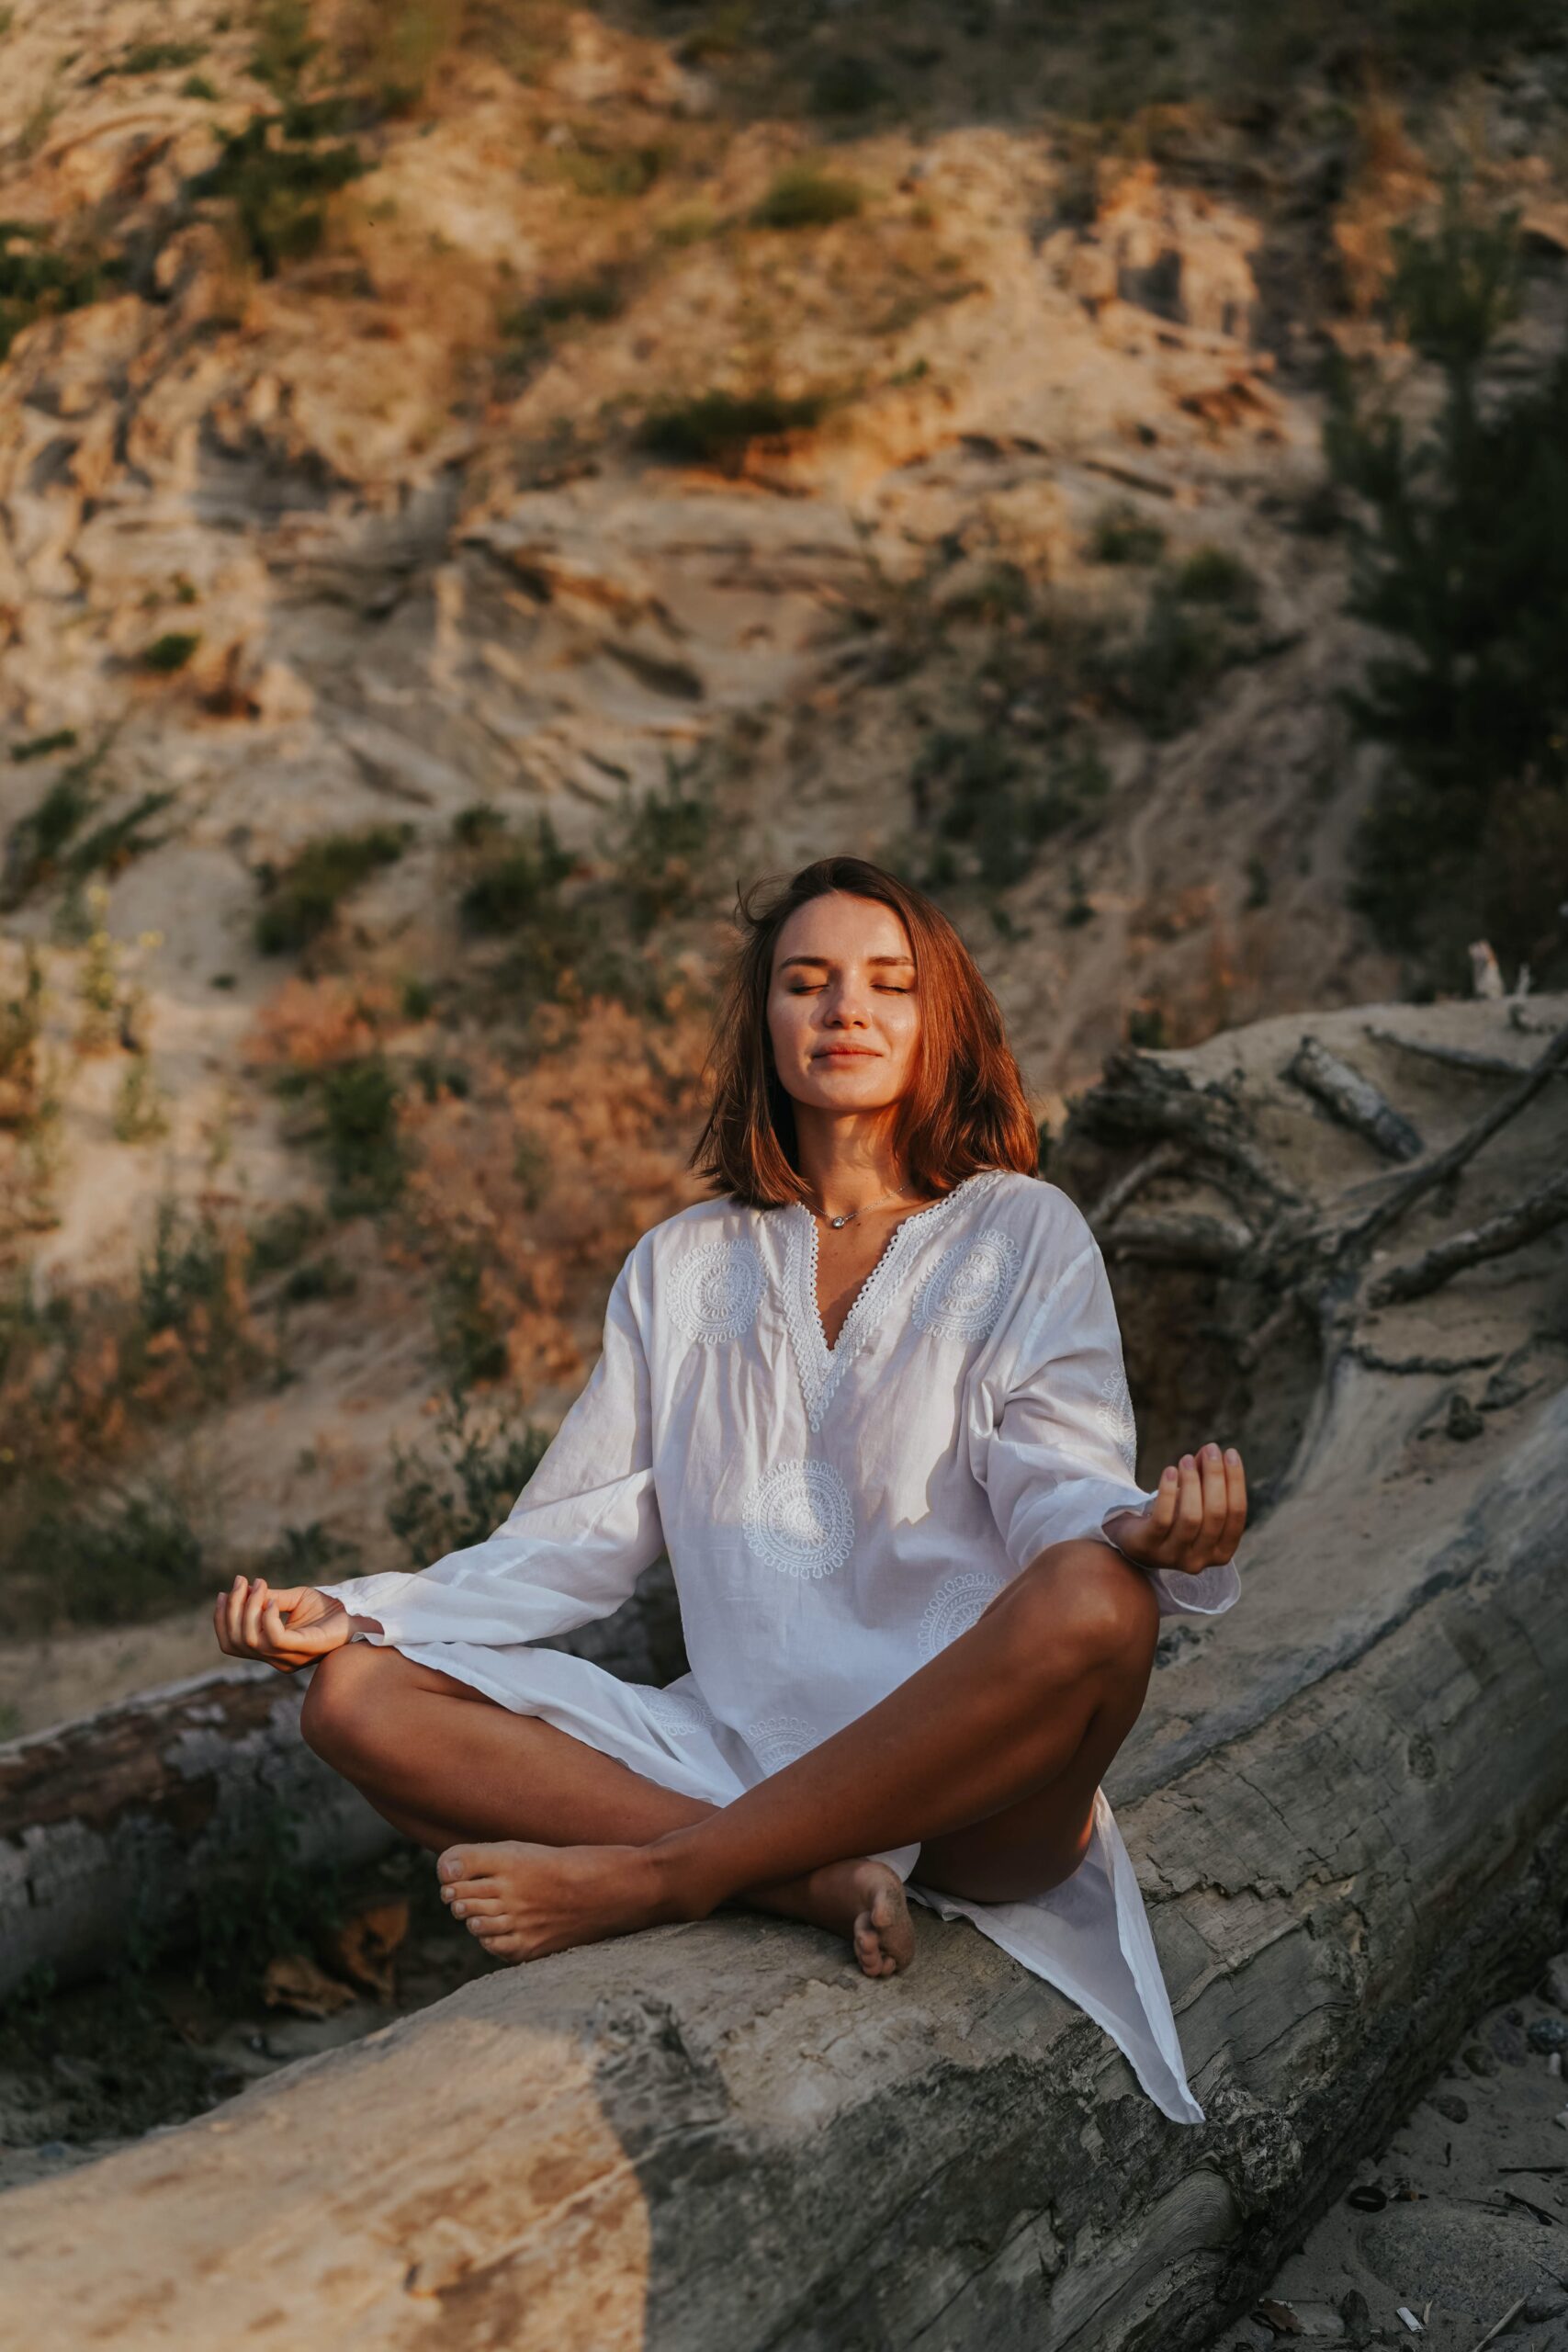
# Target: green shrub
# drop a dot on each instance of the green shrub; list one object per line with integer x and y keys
{"x": 663, "y": 840}
{"x": 804, "y": 197}
{"x": 171, "y": 652}
{"x": 1156, "y": 677}
{"x": 185, "y": 1268}
{"x": 612, "y": 172}
{"x": 36, "y": 846}
{"x": 128, "y": 1554}
{"x": 464, "y": 1495}
{"x": 282, "y": 1238}
{"x": 1213, "y": 575}
{"x": 995, "y": 802}
{"x": 37, "y": 280}
{"x": 718, "y": 426}
{"x": 39, "y": 747}
{"x": 1460, "y": 561}
{"x": 516, "y": 884}
{"x": 160, "y": 56}
{"x": 279, "y": 180}
{"x": 111, "y": 846}
{"x": 360, "y": 1102}
{"x": 285, "y": 46}
{"x": 197, "y": 86}
{"x": 846, "y": 84}
{"x": 301, "y": 900}
{"x": 1123, "y": 536}
{"x": 471, "y": 1339}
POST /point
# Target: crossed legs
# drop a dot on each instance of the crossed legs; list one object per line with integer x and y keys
{"x": 989, "y": 1756}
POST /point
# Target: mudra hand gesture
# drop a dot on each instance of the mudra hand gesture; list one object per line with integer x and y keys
{"x": 287, "y": 1626}
{"x": 1196, "y": 1518}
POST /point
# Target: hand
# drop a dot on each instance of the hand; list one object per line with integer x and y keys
{"x": 287, "y": 1627}
{"x": 1195, "y": 1520}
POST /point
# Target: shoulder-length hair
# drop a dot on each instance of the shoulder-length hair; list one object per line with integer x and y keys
{"x": 964, "y": 1108}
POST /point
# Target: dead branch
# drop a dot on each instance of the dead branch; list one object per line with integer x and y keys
{"x": 1138, "y": 1100}
{"x": 1354, "y": 1101}
{"x": 1453, "y": 1056}
{"x": 1524, "y": 1222}
{"x": 1159, "y": 1162}
{"x": 1357, "y": 1240}
{"x": 1179, "y": 1241}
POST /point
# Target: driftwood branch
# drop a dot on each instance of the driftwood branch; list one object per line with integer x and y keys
{"x": 1161, "y": 1161}
{"x": 1524, "y": 1222}
{"x": 1139, "y": 1100}
{"x": 1181, "y": 1241}
{"x": 1357, "y": 1240}
{"x": 1451, "y": 1056}
{"x": 1354, "y": 1101}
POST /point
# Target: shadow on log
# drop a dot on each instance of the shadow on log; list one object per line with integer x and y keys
{"x": 1348, "y": 1802}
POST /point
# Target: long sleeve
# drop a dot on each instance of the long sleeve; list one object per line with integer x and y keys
{"x": 1060, "y": 1454}
{"x": 579, "y": 1536}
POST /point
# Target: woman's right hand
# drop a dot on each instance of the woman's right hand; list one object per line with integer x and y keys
{"x": 287, "y": 1627}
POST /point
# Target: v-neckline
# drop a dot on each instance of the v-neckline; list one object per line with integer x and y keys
{"x": 822, "y": 1367}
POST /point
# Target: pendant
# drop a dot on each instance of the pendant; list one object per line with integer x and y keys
{"x": 836, "y": 1221}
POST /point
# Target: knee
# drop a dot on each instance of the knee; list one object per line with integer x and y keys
{"x": 339, "y": 1715}
{"x": 1079, "y": 1607}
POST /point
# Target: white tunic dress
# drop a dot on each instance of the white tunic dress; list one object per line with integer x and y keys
{"x": 833, "y": 1517}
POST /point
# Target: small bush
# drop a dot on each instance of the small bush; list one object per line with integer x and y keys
{"x": 360, "y": 1100}
{"x": 37, "y": 280}
{"x": 301, "y": 900}
{"x": 279, "y": 181}
{"x": 463, "y": 1496}
{"x": 39, "y": 747}
{"x": 128, "y": 1555}
{"x": 1123, "y": 536}
{"x": 197, "y": 86}
{"x": 803, "y": 197}
{"x": 285, "y": 46}
{"x": 186, "y": 1268}
{"x": 36, "y": 845}
{"x": 663, "y": 840}
{"x": 111, "y": 846}
{"x": 171, "y": 652}
{"x": 470, "y": 1337}
{"x": 719, "y": 426}
{"x": 846, "y": 84}
{"x": 515, "y": 884}
{"x": 160, "y": 56}
{"x": 282, "y": 1238}
{"x": 1213, "y": 576}
{"x": 1158, "y": 676}
{"x": 612, "y": 172}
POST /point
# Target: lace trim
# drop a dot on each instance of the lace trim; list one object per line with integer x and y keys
{"x": 954, "y": 1606}
{"x": 676, "y": 1715}
{"x": 962, "y": 1295}
{"x": 778, "y": 1740}
{"x": 821, "y": 1367}
{"x": 798, "y": 1518}
{"x": 1114, "y": 1417}
{"x": 716, "y": 1289}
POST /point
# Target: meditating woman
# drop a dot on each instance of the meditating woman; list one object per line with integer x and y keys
{"x": 869, "y": 1396}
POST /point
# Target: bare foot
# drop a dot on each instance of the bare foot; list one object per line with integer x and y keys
{"x": 865, "y": 1901}
{"x": 523, "y": 1901}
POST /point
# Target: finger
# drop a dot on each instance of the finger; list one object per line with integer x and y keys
{"x": 235, "y": 1613}
{"x": 1162, "y": 1511}
{"x": 252, "y": 1620}
{"x": 1211, "y": 1469}
{"x": 1235, "y": 1502}
{"x": 221, "y": 1623}
{"x": 1189, "y": 1507}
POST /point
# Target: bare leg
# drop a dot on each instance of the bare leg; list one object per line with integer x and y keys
{"x": 442, "y": 1763}
{"x": 1017, "y": 1718}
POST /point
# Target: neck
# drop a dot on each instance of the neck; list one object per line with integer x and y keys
{"x": 848, "y": 1169}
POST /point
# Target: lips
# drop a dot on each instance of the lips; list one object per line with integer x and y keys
{"x": 845, "y": 1054}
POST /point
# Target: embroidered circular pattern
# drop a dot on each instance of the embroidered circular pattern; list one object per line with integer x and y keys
{"x": 778, "y": 1740}
{"x": 715, "y": 1290}
{"x": 798, "y": 1518}
{"x": 676, "y": 1715}
{"x": 1113, "y": 1414}
{"x": 962, "y": 1296}
{"x": 954, "y": 1607}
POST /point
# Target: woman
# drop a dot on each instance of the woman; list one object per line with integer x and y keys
{"x": 869, "y": 1398}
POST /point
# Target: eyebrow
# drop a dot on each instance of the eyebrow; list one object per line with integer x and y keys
{"x": 828, "y": 959}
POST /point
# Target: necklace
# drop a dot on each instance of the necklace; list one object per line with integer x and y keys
{"x": 836, "y": 1221}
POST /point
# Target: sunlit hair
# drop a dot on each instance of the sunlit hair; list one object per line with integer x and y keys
{"x": 964, "y": 1107}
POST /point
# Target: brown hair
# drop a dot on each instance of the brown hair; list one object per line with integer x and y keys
{"x": 964, "y": 1109}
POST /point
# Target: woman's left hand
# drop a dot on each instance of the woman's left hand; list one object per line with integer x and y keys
{"x": 1196, "y": 1518}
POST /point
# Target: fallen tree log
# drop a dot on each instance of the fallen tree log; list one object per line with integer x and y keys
{"x": 1348, "y": 1802}
{"x": 108, "y": 1825}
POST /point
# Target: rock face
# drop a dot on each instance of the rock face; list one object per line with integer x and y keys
{"x": 1346, "y": 1803}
